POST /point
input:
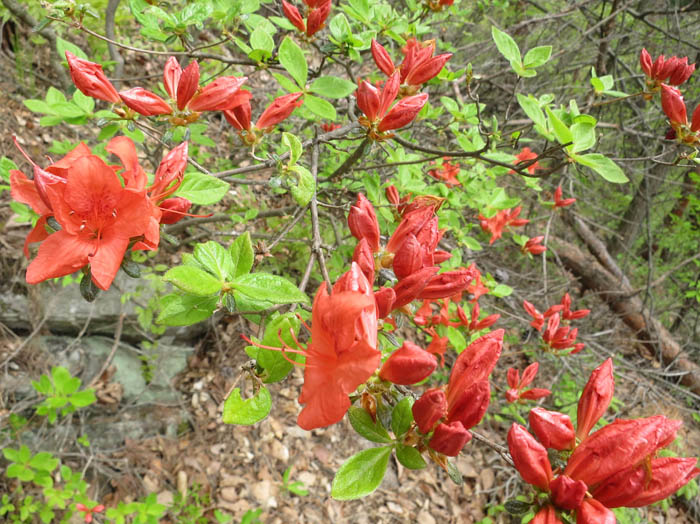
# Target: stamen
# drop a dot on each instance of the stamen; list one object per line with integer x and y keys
{"x": 304, "y": 323}
{"x": 282, "y": 350}
{"x": 25, "y": 155}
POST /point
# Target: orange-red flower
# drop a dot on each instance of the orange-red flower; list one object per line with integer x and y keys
{"x": 498, "y": 222}
{"x": 517, "y": 384}
{"x": 526, "y": 157}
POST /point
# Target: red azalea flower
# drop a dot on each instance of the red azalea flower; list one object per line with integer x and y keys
{"x": 497, "y": 223}
{"x": 526, "y": 155}
{"x": 517, "y": 391}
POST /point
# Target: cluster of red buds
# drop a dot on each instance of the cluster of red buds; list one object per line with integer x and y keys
{"x": 498, "y": 222}
{"x": 446, "y": 173}
{"x": 443, "y": 416}
{"x": 557, "y": 337}
{"x": 673, "y": 71}
{"x": 188, "y": 98}
{"x": 673, "y": 106}
{"x": 375, "y": 103}
{"x": 424, "y": 316}
{"x": 100, "y": 213}
{"x": 534, "y": 246}
{"x": 418, "y": 66}
{"x": 276, "y": 112}
{"x": 317, "y": 12}
{"x": 517, "y": 385}
{"x": 412, "y": 254}
{"x": 615, "y": 466}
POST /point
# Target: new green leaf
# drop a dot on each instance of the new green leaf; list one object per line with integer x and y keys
{"x": 292, "y": 59}
{"x": 246, "y": 411}
{"x": 361, "y": 474}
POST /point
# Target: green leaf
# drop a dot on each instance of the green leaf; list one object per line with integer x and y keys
{"x": 242, "y": 255}
{"x": 583, "y": 134}
{"x": 184, "y": 310}
{"x": 303, "y": 188}
{"x": 506, "y": 45}
{"x": 12, "y": 455}
{"x": 67, "y": 110}
{"x": 292, "y": 59}
{"x": 64, "y": 381}
{"x": 361, "y": 474}
{"x": 193, "y": 280}
{"x": 82, "y": 398}
{"x": 602, "y": 165}
{"x": 286, "y": 83}
{"x": 43, "y": 386}
{"x": 537, "y": 56}
{"x": 268, "y": 288}
{"x": 261, "y": 39}
{"x": 532, "y": 109}
{"x": 402, "y": 416}
{"x": 340, "y": 27}
{"x": 84, "y": 102}
{"x": 39, "y": 106}
{"x": 19, "y": 471}
{"x": 63, "y": 45}
{"x": 216, "y": 259}
{"x": 246, "y": 411}
{"x": 362, "y": 423}
{"x": 410, "y": 457}
{"x": 561, "y": 131}
{"x": 202, "y": 189}
{"x": 293, "y": 145}
{"x": 319, "y": 106}
{"x": 332, "y": 87}
{"x": 44, "y": 461}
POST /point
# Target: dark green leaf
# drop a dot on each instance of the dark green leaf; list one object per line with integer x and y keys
{"x": 362, "y": 423}
{"x": 517, "y": 507}
{"x": 402, "y": 416}
{"x": 242, "y": 254}
{"x": 410, "y": 457}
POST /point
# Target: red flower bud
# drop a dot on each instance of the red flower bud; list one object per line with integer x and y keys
{"x": 593, "y": 512}
{"x": 409, "y": 258}
{"x": 293, "y": 15}
{"x": 595, "y": 398}
{"x": 645, "y": 62}
{"x": 363, "y": 223}
{"x": 559, "y": 202}
{"x": 171, "y": 76}
{"x": 428, "y": 409}
{"x": 530, "y": 457}
{"x": 174, "y": 209}
{"x": 382, "y": 58}
{"x": 470, "y": 406}
{"x": 171, "y": 168}
{"x": 317, "y": 18}
{"x": 144, "y": 102}
{"x": 673, "y": 105}
{"x": 427, "y": 69}
{"x": 279, "y": 110}
{"x": 554, "y": 430}
{"x": 239, "y": 116}
{"x": 440, "y": 256}
{"x": 404, "y": 112}
{"x": 475, "y": 363}
{"x": 681, "y": 72}
{"x": 187, "y": 85}
{"x": 389, "y": 93}
{"x": 218, "y": 95}
{"x": 449, "y": 439}
{"x": 89, "y": 78}
{"x": 368, "y": 100}
{"x": 384, "y": 299}
{"x": 567, "y": 493}
{"x": 410, "y": 287}
{"x": 363, "y": 257}
{"x": 546, "y": 515}
{"x": 647, "y": 483}
{"x": 408, "y": 365}
{"x": 695, "y": 121}
{"x": 447, "y": 284}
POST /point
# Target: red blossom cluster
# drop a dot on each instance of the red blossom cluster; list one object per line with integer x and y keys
{"x": 615, "y": 466}
{"x": 557, "y": 337}
{"x": 446, "y": 173}
{"x": 276, "y": 112}
{"x": 418, "y": 66}
{"x": 517, "y": 385}
{"x": 188, "y": 98}
{"x": 96, "y": 211}
{"x": 317, "y": 12}
{"x": 672, "y": 71}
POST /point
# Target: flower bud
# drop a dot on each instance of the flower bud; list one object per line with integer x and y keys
{"x": 475, "y": 363}
{"x": 293, "y": 15}
{"x": 409, "y": 258}
{"x": 368, "y": 100}
{"x": 363, "y": 223}
{"x": 382, "y": 58}
{"x": 89, "y": 78}
{"x": 410, "y": 287}
{"x": 530, "y": 457}
{"x": 567, "y": 493}
{"x": 593, "y": 512}
{"x": 144, "y": 102}
{"x": 171, "y": 76}
{"x": 546, "y": 515}
{"x": 317, "y": 18}
{"x": 384, "y": 299}
{"x": 427, "y": 69}
{"x": 595, "y": 398}
{"x": 681, "y": 72}
{"x": 645, "y": 62}
{"x": 279, "y": 110}
{"x": 363, "y": 257}
{"x": 404, "y": 112}
{"x": 470, "y": 406}
{"x": 449, "y": 439}
{"x": 408, "y": 365}
{"x": 187, "y": 85}
{"x": 428, "y": 409}
{"x": 447, "y": 284}
{"x": 239, "y": 116}
{"x": 673, "y": 105}
{"x": 553, "y": 429}
{"x": 218, "y": 95}
{"x": 171, "y": 168}
{"x": 174, "y": 209}
{"x": 389, "y": 93}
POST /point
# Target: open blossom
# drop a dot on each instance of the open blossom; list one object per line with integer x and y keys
{"x": 418, "y": 66}
{"x": 447, "y": 173}
{"x": 526, "y": 156}
{"x": 613, "y": 467}
{"x": 517, "y": 385}
{"x": 559, "y": 201}
{"x": 534, "y": 246}
{"x": 498, "y": 222}
{"x": 280, "y": 109}
{"x": 317, "y": 13}
{"x": 673, "y": 71}
{"x": 88, "y": 512}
